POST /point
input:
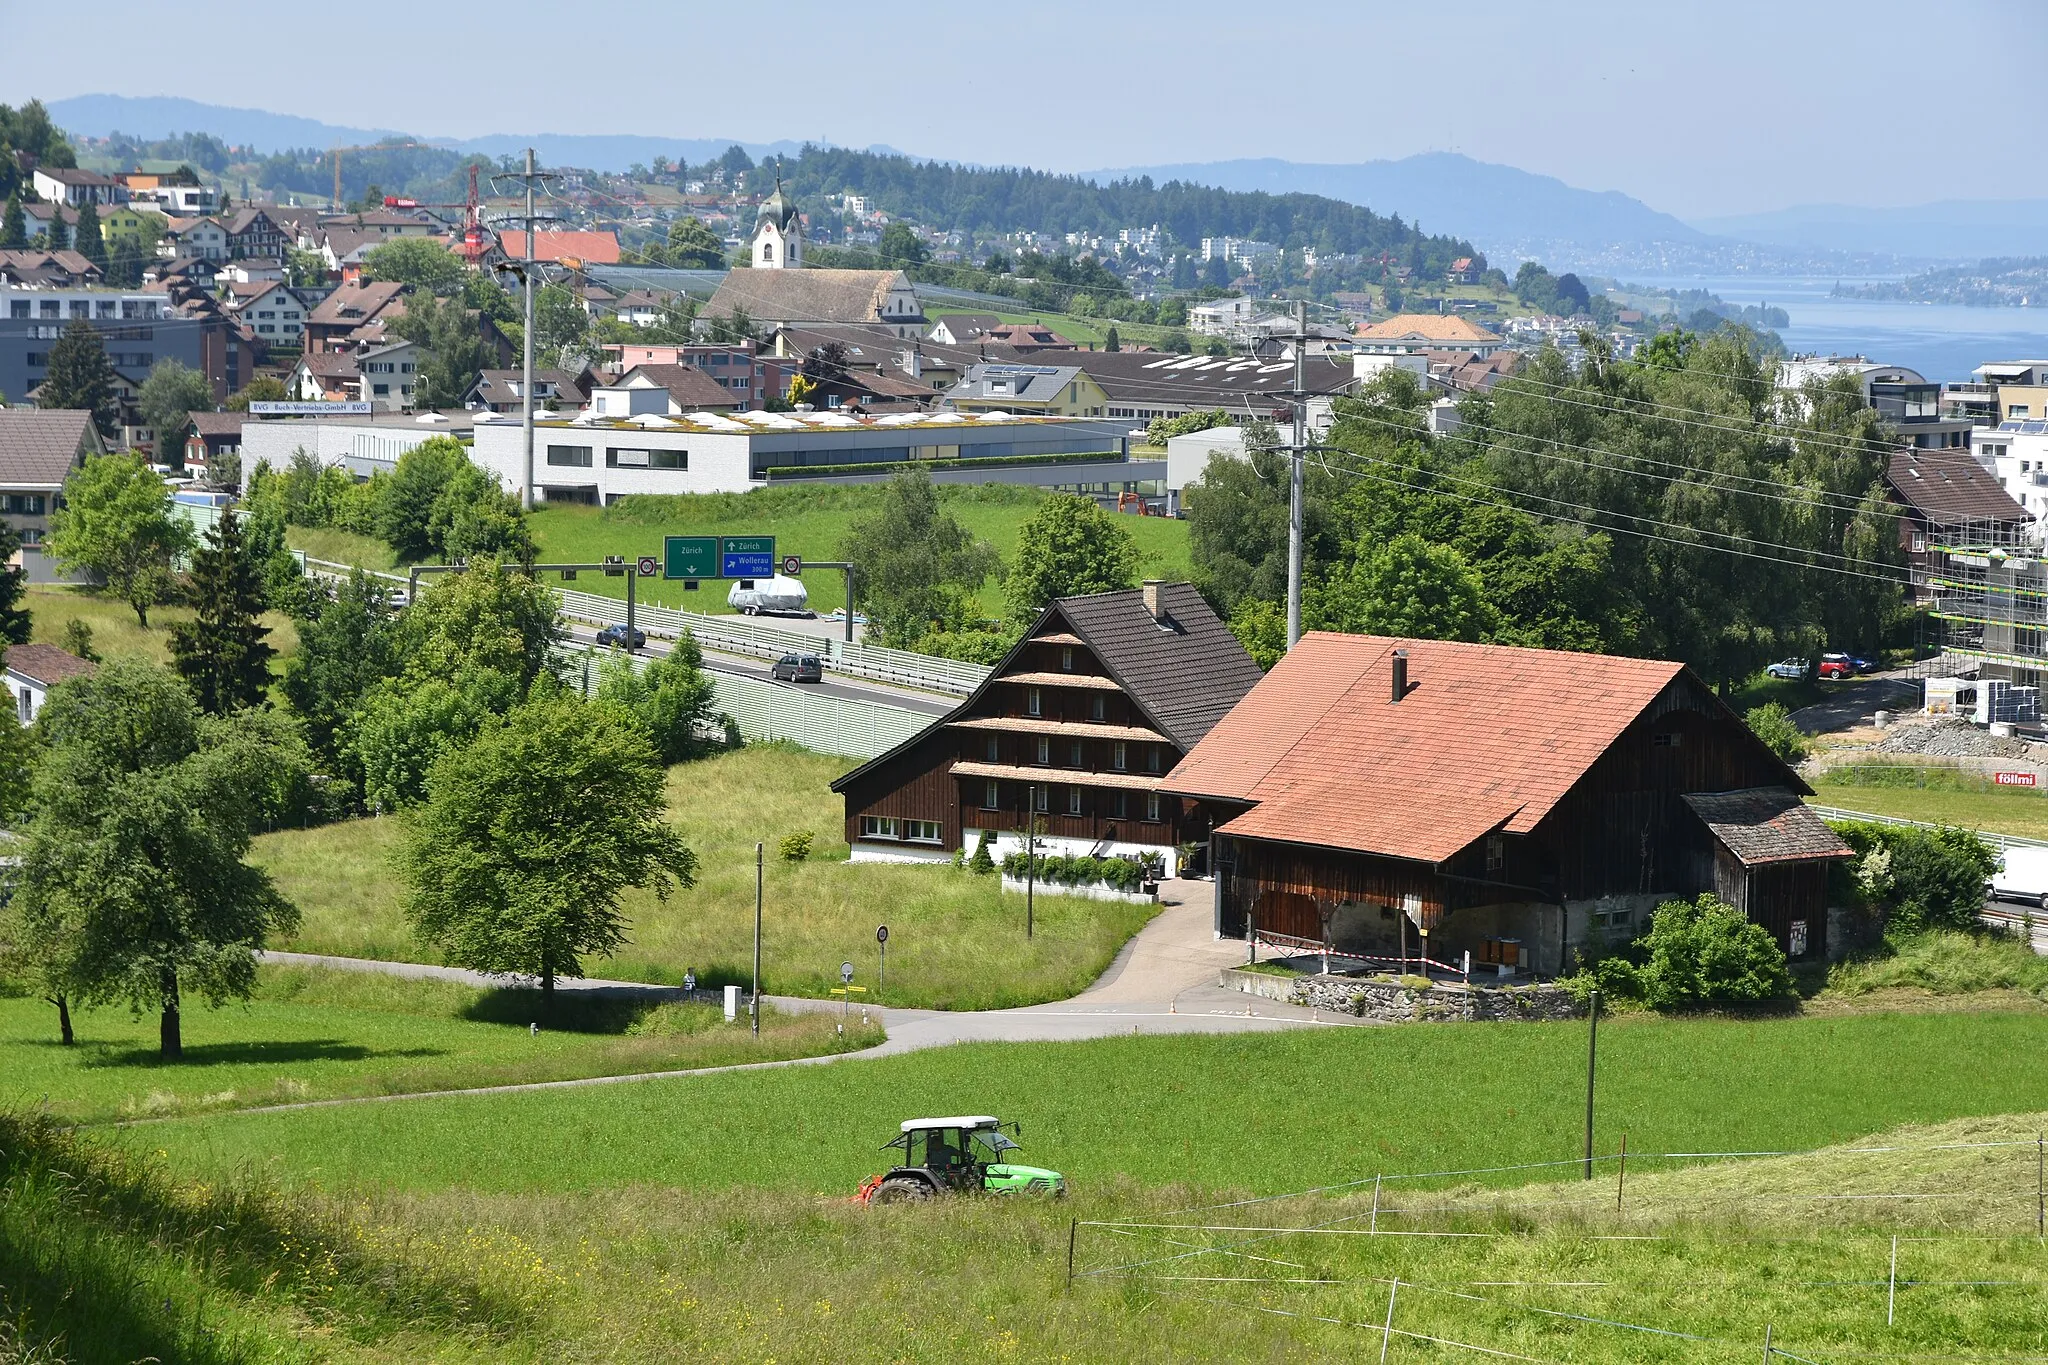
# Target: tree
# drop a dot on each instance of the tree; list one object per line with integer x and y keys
{"x": 408, "y": 495}
{"x": 13, "y": 225}
{"x": 916, "y": 564}
{"x": 489, "y": 628}
{"x": 1705, "y": 951}
{"x": 264, "y": 388}
{"x": 454, "y": 346}
{"x": 221, "y": 653}
{"x": 1261, "y": 627}
{"x": 1771, "y": 724}
{"x": 80, "y": 376}
{"x": 167, "y": 400}
{"x": 132, "y": 884}
{"x": 85, "y": 235}
{"x": 304, "y": 269}
{"x": 420, "y": 263}
{"x": 1407, "y": 587}
{"x": 402, "y": 728}
{"x": 14, "y": 616}
{"x": 1067, "y": 548}
{"x": 561, "y": 326}
{"x": 347, "y": 646}
{"x": 532, "y": 832}
{"x": 693, "y": 246}
{"x": 474, "y": 516}
{"x": 116, "y": 523}
{"x": 124, "y": 263}
{"x": 1112, "y": 342}
{"x": 672, "y": 698}
{"x": 901, "y": 247}
{"x": 78, "y": 640}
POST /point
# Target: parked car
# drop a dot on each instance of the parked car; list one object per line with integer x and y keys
{"x": 617, "y": 638}
{"x": 2022, "y": 875}
{"x": 1794, "y": 669}
{"x": 798, "y": 668}
{"x": 1835, "y": 667}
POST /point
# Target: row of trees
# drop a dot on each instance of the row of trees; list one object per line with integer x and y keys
{"x": 1675, "y": 506}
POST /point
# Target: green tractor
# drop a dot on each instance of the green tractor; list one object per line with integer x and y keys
{"x": 957, "y": 1156}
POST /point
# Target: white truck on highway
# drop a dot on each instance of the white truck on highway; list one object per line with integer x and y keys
{"x": 2022, "y": 875}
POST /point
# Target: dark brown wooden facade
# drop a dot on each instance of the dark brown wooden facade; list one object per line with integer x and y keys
{"x": 1622, "y": 839}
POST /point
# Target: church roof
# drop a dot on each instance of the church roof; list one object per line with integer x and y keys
{"x": 778, "y": 208}
{"x": 806, "y": 296}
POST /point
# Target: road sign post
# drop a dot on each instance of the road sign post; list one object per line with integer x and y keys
{"x": 689, "y": 557}
{"x": 649, "y": 566}
{"x": 846, "y": 982}
{"x": 792, "y": 565}
{"x": 881, "y": 967}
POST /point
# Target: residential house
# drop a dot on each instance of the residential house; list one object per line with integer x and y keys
{"x": 752, "y": 374}
{"x": 1082, "y": 725}
{"x": 2004, "y": 390}
{"x": 32, "y": 670}
{"x": 351, "y": 307}
{"x": 1400, "y": 799}
{"x": 663, "y": 390}
{"x": 253, "y": 233}
{"x": 1906, "y": 399}
{"x": 35, "y": 267}
{"x": 324, "y": 377}
{"x": 808, "y": 298}
{"x": 212, "y": 436}
{"x": 388, "y": 375}
{"x": 583, "y": 247}
{"x": 272, "y": 310}
{"x": 134, "y": 223}
{"x": 51, "y": 221}
{"x": 138, "y": 327}
{"x": 1015, "y": 386}
{"x": 382, "y": 223}
{"x": 504, "y": 391}
{"x": 1026, "y": 338}
{"x": 199, "y": 238}
{"x": 962, "y": 329}
{"x": 39, "y": 447}
{"x": 2015, "y": 452}
{"x": 883, "y": 351}
{"x": 76, "y": 188}
{"x": 1420, "y": 333}
{"x": 1222, "y": 317}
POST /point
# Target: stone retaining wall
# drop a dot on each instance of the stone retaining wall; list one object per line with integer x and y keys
{"x": 1392, "y": 1002}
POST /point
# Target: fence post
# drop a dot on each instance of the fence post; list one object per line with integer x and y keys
{"x": 1891, "y": 1293}
{"x": 1387, "y": 1334}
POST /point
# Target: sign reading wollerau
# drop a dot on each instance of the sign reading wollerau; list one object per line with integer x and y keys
{"x": 747, "y": 556}
{"x": 689, "y": 556}
{"x": 280, "y": 409}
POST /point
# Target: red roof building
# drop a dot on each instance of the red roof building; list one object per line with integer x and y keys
{"x": 1518, "y": 804}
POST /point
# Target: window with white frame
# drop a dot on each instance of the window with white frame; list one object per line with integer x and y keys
{"x": 1152, "y": 806}
{"x": 1120, "y": 756}
{"x": 1034, "y": 702}
{"x": 1073, "y": 800}
{"x": 1044, "y": 750}
{"x": 992, "y": 795}
{"x": 878, "y": 826}
{"x": 1040, "y": 798}
{"x": 921, "y": 831}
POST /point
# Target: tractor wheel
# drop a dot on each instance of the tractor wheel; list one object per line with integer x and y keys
{"x": 901, "y": 1191}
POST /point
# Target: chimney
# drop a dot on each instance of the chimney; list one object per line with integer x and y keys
{"x": 1400, "y": 674}
{"x": 1152, "y": 602}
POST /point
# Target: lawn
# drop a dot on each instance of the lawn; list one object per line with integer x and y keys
{"x": 954, "y": 941}
{"x": 810, "y": 522}
{"x": 2012, "y": 811}
{"x": 1212, "y": 1115}
{"x": 114, "y": 628}
{"x": 311, "y": 1034}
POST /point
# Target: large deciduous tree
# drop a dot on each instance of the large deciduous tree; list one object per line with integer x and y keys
{"x": 532, "y": 832}
{"x": 347, "y": 645}
{"x": 222, "y": 653}
{"x": 422, "y": 263}
{"x": 671, "y": 697}
{"x": 1067, "y": 548}
{"x": 693, "y": 246}
{"x": 916, "y": 567}
{"x": 80, "y": 376}
{"x": 132, "y": 883}
{"x": 167, "y": 400}
{"x": 1407, "y": 587}
{"x": 455, "y": 351}
{"x": 116, "y": 523}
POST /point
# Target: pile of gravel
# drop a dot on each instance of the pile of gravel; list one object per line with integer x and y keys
{"x": 1954, "y": 739}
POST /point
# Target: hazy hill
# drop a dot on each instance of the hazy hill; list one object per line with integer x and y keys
{"x": 1951, "y": 228}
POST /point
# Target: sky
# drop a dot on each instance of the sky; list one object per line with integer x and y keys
{"x": 1701, "y": 109}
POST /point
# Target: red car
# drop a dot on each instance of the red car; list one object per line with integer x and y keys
{"x": 1835, "y": 668}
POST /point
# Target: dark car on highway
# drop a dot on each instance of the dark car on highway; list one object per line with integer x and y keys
{"x": 617, "y": 637}
{"x": 798, "y": 668}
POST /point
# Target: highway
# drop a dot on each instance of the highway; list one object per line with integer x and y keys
{"x": 747, "y": 666}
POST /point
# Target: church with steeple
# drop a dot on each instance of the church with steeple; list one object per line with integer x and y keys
{"x": 778, "y": 233}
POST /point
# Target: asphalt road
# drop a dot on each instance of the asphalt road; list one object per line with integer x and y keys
{"x": 849, "y": 688}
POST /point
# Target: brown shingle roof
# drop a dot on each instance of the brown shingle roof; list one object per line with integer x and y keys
{"x": 805, "y": 296}
{"x": 690, "y": 387}
{"x": 357, "y": 303}
{"x": 1426, "y": 326}
{"x": 219, "y": 423}
{"x": 40, "y": 447}
{"x": 1767, "y": 825}
{"x": 1488, "y": 736}
{"x": 47, "y": 664}
{"x": 1186, "y": 677}
{"x": 1949, "y": 486}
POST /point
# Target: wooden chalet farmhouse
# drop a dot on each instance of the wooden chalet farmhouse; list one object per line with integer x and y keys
{"x": 1510, "y": 803}
{"x": 1085, "y": 720}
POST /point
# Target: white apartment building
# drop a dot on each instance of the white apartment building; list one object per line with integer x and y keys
{"x": 275, "y": 313}
{"x": 389, "y": 374}
{"x": 1240, "y": 249}
{"x": 2016, "y": 454}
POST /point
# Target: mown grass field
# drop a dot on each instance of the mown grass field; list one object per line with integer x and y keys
{"x": 809, "y": 522}
{"x": 955, "y": 942}
{"x": 1254, "y": 1114}
{"x": 310, "y": 1034}
{"x": 2010, "y": 811}
{"x": 696, "y": 1223}
{"x": 114, "y": 628}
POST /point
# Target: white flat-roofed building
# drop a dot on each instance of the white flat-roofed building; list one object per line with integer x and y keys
{"x": 589, "y": 459}
{"x": 362, "y": 443}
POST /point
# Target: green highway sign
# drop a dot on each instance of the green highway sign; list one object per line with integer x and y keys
{"x": 689, "y": 556}
{"x": 747, "y": 556}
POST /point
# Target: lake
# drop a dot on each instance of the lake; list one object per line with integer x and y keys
{"x": 1942, "y": 341}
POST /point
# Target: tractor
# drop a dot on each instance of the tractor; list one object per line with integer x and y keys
{"x": 957, "y": 1156}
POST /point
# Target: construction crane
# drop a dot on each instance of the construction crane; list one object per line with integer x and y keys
{"x": 475, "y": 241}
{"x": 335, "y": 203}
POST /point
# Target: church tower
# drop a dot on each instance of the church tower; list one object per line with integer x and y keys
{"x": 778, "y": 233}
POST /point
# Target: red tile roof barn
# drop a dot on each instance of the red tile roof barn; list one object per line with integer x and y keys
{"x": 1487, "y": 737}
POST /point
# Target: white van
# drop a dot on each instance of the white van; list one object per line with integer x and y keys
{"x": 2022, "y": 875}
{"x": 780, "y": 595}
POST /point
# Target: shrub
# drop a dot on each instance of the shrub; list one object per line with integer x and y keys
{"x": 796, "y": 847}
{"x": 981, "y": 864}
{"x": 1705, "y": 951}
{"x": 1914, "y": 878}
{"x": 1772, "y": 724}
{"x": 1121, "y": 874}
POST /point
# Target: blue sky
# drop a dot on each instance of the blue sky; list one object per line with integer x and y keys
{"x": 1697, "y": 108}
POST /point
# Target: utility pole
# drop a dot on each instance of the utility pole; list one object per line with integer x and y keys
{"x": 755, "y": 1007}
{"x": 1295, "y": 459}
{"x": 526, "y": 268}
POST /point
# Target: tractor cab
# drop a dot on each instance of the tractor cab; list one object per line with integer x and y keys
{"x": 963, "y": 1154}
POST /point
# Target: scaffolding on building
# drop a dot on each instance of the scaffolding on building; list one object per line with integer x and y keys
{"x": 1986, "y": 585}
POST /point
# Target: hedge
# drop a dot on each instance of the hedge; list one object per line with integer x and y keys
{"x": 1119, "y": 873}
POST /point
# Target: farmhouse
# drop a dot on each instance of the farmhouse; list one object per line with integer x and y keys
{"x": 1083, "y": 722}
{"x": 1516, "y": 804}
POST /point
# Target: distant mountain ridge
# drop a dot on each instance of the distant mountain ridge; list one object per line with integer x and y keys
{"x": 158, "y": 116}
{"x": 1948, "y": 229}
{"x": 1505, "y": 211}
